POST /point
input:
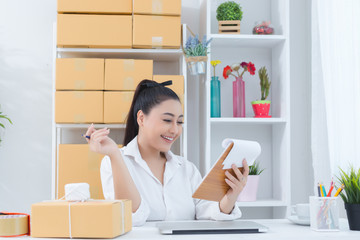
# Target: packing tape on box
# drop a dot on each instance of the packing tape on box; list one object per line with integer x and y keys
{"x": 157, "y": 6}
{"x": 79, "y": 192}
{"x": 156, "y": 41}
{"x": 129, "y": 83}
{"x": 80, "y": 65}
{"x": 129, "y": 65}
{"x": 14, "y": 224}
{"x": 79, "y": 84}
{"x": 79, "y": 118}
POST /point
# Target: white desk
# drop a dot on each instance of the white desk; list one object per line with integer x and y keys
{"x": 278, "y": 229}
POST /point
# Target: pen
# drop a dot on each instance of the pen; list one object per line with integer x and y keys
{"x": 85, "y": 136}
{"x": 339, "y": 190}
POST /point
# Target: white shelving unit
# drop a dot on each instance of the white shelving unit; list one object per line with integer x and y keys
{"x": 273, "y": 134}
{"x": 166, "y": 62}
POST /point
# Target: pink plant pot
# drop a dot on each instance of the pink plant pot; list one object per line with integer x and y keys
{"x": 248, "y": 194}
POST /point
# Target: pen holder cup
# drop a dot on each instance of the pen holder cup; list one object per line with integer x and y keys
{"x": 324, "y": 213}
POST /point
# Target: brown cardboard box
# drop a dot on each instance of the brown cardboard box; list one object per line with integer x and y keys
{"x": 158, "y": 7}
{"x": 95, "y": 6}
{"x": 94, "y": 31}
{"x": 91, "y": 219}
{"x": 79, "y": 74}
{"x": 156, "y": 31}
{"x": 125, "y": 74}
{"x": 79, "y": 106}
{"x": 177, "y": 86}
{"x": 117, "y": 106}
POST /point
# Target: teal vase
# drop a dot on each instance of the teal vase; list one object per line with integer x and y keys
{"x": 215, "y": 103}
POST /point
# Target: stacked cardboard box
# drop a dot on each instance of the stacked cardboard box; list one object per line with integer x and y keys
{"x": 118, "y": 24}
{"x": 76, "y": 163}
{"x": 157, "y": 24}
{"x": 94, "y": 24}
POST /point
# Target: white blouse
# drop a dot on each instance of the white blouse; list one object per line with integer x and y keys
{"x": 169, "y": 201}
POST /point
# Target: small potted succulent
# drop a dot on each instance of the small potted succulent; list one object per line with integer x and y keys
{"x": 351, "y": 196}
{"x": 2, "y": 116}
{"x": 248, "y": 194}
{"x": 196, "y": 54}
{"x": 229, "y": 15}
{"x": 261, "y": 107}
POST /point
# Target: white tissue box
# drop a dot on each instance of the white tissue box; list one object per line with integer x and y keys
{"x": 90, "y": 219}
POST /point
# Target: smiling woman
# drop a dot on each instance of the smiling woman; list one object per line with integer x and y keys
{"x": 159, "y": 183}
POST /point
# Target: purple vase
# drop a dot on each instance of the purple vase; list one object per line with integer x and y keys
{"x": 238, "y": 97}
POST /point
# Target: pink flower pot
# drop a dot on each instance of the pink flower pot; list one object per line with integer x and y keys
{"x": 248, "y": 194}
{"x": 261, "y": 108}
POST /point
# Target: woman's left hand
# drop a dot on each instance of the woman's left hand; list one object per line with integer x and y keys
{"x": 237, "y": 184}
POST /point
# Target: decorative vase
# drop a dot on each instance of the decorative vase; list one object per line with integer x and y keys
{"x": 215, "y": 103}
{"x": 248, "y": 194}
{"x": 238, "y": 97}
{"x": 353, "y": 215}
{"x": 261, "y": 108}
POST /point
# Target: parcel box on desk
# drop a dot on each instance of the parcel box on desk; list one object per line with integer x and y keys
{"x": 79, "y": 106}
{"x": 94, "y": 31}
{"x": 156, "y": 31}
{"x": 95, "y": 6}
{"x": 79, "y": 74}
{"x": 158, "y": 7}
{"x": 126, "y": 74}
{"x": 91, "y": 219}
{"x": 117, "y": 106}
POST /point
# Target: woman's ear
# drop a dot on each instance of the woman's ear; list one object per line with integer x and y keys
{"x": 140, "y": 118}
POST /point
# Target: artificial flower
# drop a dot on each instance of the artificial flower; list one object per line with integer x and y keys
{"x": 247, "y": 67}
{"x": 235, "y": 67}
{"x": 214, "y": 63}
{"x": 251, "y": 68}
{"x": 227, "y": 71}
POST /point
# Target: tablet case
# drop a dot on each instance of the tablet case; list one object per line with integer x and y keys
{"x": 214, "y": 187}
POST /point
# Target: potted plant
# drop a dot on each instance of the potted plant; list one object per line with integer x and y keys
{"x": 261, "y": 107}
{"x": 196, "y": 54}
{"x": 351, "y": 196}
{"x": 229, "y": 15}
{"x": 248, "y": 194}
{"x": 239, "y": 85}
{"x": 215, "y": 90}
{"x": 2, "y": 116}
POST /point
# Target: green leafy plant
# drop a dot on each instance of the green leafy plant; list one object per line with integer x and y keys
{"x": 264, "y": 83}
{"x": 229, "y": 11}
{"x": 255, "y": 169}
{"x": 2, "y": 116}
{"x": 351, "y": 181}
{"x": 194, "y": 47}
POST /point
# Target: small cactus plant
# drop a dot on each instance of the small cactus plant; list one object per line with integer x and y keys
{"x": 264, "y": 83}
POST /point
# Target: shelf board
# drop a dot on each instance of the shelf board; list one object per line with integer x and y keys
{"x": 246, "y": 40}
{"x": 263, "y": 203}
{"x": 155, "y": 54}
{"x": 248, "y": 120}
{"x": 82, "y": 125}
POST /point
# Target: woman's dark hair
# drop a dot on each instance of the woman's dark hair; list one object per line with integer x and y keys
{"x": 147, "y": 95}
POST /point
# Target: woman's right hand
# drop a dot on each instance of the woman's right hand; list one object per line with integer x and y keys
{"x": 99, "y": 141}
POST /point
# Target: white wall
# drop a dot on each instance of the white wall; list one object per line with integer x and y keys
{"x": 25, "y": 96}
